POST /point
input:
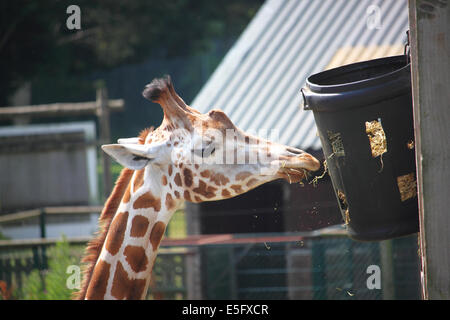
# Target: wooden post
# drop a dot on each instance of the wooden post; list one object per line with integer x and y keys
{"x": 430, "y": 66}
{"x": 105, "y": 137}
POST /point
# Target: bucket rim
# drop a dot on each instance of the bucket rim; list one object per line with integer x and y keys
{"x": 354, "y": 85}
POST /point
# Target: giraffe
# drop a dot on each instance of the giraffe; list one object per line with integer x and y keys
{"x": 191, "y": 157}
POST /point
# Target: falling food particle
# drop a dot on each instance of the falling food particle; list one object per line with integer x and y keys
{"x": 377, "y": 138}
{"x": 315, "y": 181}
{"x": 301, "y": 243}
{"x": 407, "y": 186}
{"x": 410, "y": 144}
{"x": 339, "y": 289}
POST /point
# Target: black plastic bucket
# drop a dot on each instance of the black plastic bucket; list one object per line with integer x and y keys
{"x": 364, "y": 115}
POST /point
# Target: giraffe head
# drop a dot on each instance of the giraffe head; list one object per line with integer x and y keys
{"x": 205, "y": 157}
{"x": 191, "y": 156}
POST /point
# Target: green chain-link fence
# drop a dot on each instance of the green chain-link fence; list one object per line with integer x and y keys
{"x": 313, "y": 268}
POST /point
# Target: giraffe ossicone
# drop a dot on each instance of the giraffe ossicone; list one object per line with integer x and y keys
{"x": 191, "y": 157}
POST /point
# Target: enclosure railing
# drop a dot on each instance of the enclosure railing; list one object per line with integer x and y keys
{"x": 18, "y": 258}
{"x": 43, "y": 212}
{"x": 101, "y": 108}
{"x": 322, "y": 264}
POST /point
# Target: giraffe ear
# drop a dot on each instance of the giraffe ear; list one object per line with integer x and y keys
{"x": 132, "y": 156}
{"x": 134, "y": 140}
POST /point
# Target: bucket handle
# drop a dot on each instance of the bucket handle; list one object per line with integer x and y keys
{"x": 406, "y": 49}
{"x": 303, "y": 104}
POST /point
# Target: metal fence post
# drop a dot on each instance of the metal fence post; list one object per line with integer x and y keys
{"x": 43, "y": 254}
{"x": 42, "y": 226}
{"x": 105, "y": 136}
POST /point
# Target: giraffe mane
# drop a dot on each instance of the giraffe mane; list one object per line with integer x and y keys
{"x": 144, "y": 133}
{"x": 94, "y": 247}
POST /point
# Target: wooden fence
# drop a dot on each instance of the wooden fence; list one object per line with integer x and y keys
{"x": 101, "y": 108}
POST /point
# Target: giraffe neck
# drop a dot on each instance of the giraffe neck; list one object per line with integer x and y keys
{"x": 125, "y": 263}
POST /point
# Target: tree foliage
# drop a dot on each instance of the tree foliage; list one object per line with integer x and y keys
{"x": 51, "y": 284}
{"x": 35, "y": 41}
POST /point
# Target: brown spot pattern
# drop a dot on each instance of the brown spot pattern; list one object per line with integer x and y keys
{"x": 116, "y": 233}
{"x": 205, "y": 190}
{"x": 198, "y": 199}
{"x": 243, "y": 175}
{"x": 219, "y": 179}
{"x": 164, "y": 180}
{"x": 177, "y": 194}
{"x": 138, "y": 179}
{"x": 252, "y": 182}
{"x": 187, "y": 177}
{"x": 125, "y": 288}
{"x": 225, "y": 193}
{"x": 177, "y": 179}
{"x": 147, "y": 200}
{"x": 139, "y": 226}
{"x": 187, "y": 195}
{"x": 205, "y": 174}
{"x": 170, "y": 170}
{"x": 236, "y": 188}
{"x": 136, "y": 258}
{"x": 99, "y": 281}
{"x": 157, "y": 234}
{"x": 170, "y": 204}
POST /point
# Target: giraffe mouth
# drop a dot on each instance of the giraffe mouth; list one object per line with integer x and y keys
{"x": 294, "y": 168}
{"x": 303, "y": 161}
{"x": 292, "y": 175}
